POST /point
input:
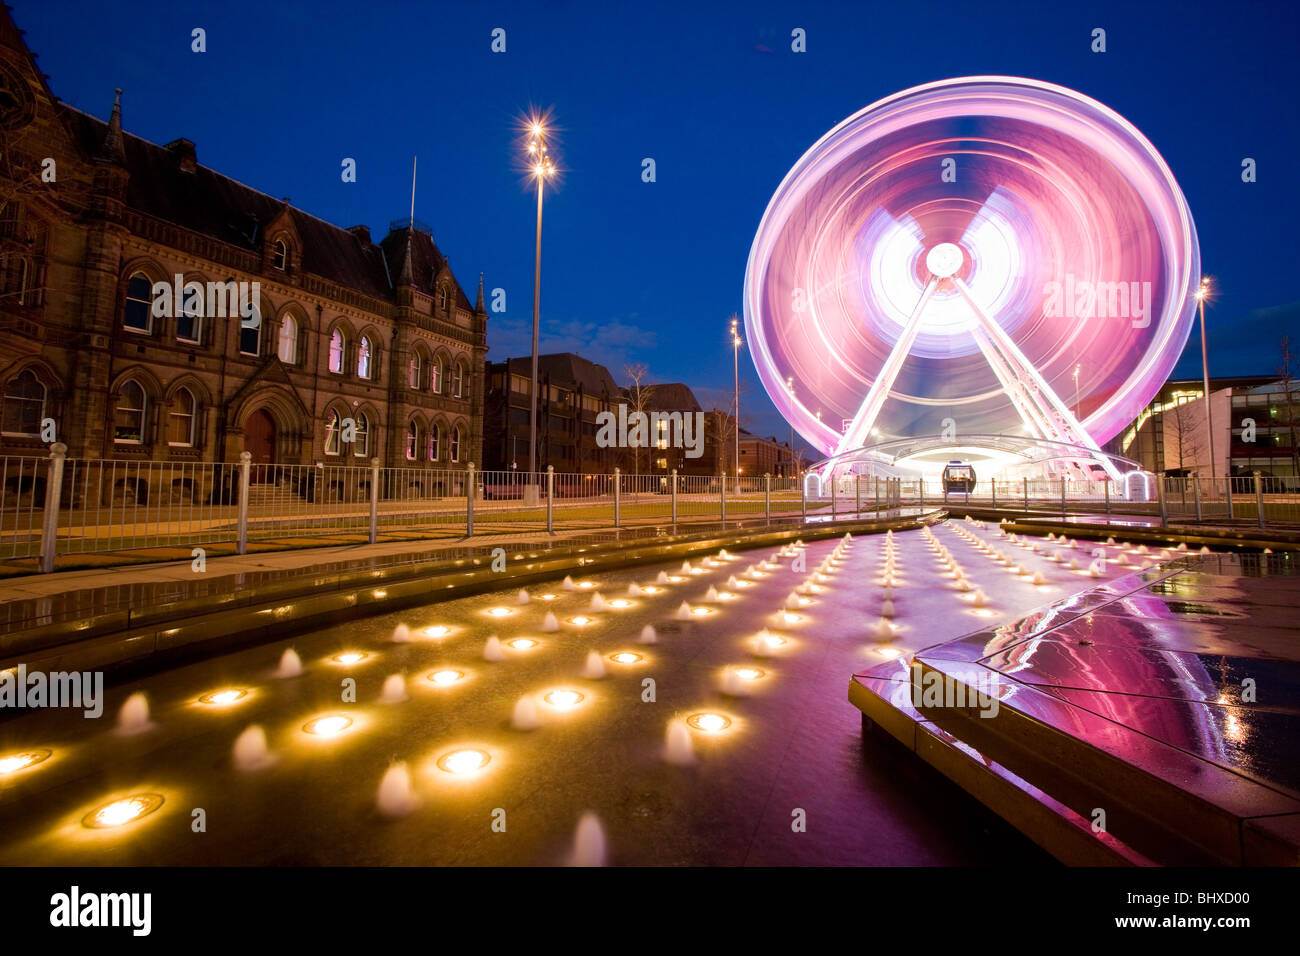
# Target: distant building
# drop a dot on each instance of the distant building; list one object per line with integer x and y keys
{"x": 572, "y": 391}
{"x": 765, "y": 456}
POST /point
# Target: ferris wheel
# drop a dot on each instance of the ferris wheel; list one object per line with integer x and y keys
{"x": 983, "y": 256}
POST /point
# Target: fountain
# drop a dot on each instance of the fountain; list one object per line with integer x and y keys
{"x": 394, "y": 689}
{"x": 588, "y": 843}
{"x": 492, "y": 649}
{"x": 594, "y": 669}
{"x": 134, "y": 715}
{"x": 290, "y": 664}
{"x": 522, "y": 597}
{"x": 396, "y": 798}
{"x": 679, "y": 750}
{"x": 401, "y": 634}
{"x": 524, "y": 716}
{"x": 250, "y": 750}
{"x": 648, "y": 635}
{"x": 549, "y": 623}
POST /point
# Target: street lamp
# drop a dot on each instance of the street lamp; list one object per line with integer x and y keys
{"x": 735, "y": 349}
{"x": 1201, "y": 295}
{"x": 1076, "y": 391}
{"x": 541, "y": 168}
{"x": 789, "y": 387}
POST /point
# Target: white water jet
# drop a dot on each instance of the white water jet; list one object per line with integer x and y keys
{"x": 394, "y": 689}
{"x": 678, "y": 748}
{"x": 980, "y": 598}
{"x": 633, "y": 589}
{"x": 1096, "y": 568}
{"x": 134, "y": 715}
{"x": 711, "y": 594}
{"x": 1040, "y": 578}
{"x": 732, "y": 582}
{"x": 250, "y": 751}
{"x": 1074, "y": 564}
{"x": 567, "y": 584}
{"x": 648, "y": 635}
{"x": 522, "y": 597}
{"x": 594, "y": 669}
{"x": 401, "y": 634}
{"x": 662, "y": 578}
{"x": 1205, "y": 549}
{"x": 884, "y": 631}
{"x": 290, "y": 664}
{"x": 887, "y": 609}
{"x": 396, "y": 797}
{"x": 589, "y": 843}
{"x": 549, "y": 623}
{"x": 733, "y": 685}
{"x": 524, "y": 716}
{"x": 683, "y": 612}
{"x": 686, "y": 567}
{"x": 597, "y": 603}
{"x": 887, "y": 593}
{"x": 1122, "y": 559}
{"x": 492, "y": 649}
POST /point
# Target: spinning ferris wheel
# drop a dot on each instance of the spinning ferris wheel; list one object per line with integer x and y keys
{"x": 984, "y": 256}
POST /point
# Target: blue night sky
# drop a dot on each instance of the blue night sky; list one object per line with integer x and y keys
{"x": 651, "y": 272}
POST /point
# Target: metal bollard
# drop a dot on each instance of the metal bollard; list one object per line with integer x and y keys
{"x": 722, "y": 498}
{"x": 550, "y": 499}
{"x": 1227, "y": 488}
{"x": 1160, "y": 497}
{"x": 50, "y": 518}
{"x": 767, "y": 499}
{"x": 1259, "y": 497}
{"x": 469, "y": 499}
{"x": 994, "y": 486}
{"x": 857, "y": 493}
{"x": 803, "y": 498}
{"x": 617, "y": 483}
{"x": 241, "y": 538}
{"x": 1196, "y": 494}
{"x": 674, "y": 480}
{"x": 834, "y": 509}
{"x": 1062, "y": 496}
{"x": 1107, "y": 485}
{"x": 374, "y": 501}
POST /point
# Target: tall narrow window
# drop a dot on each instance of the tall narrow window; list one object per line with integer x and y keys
{"x": 250, "y": 338}
{"x": 363, "y": 358}
{"x": 435, "y": 377}
{"x": 333, "y": 426}
{"x": 458, "y": 381}
{"x": 415, "y": 370}
{"x": 288, "y": 350}
{"x": 455, "y": 444}
{"x": 24, "y": 405}
{"x": 361, "y": 446}
{"x": 444, "y": 299}
{"x": 435, "y": 435}
{"x": 24, "y": 277}
{"x": 337, "y": 344}
{"x": 280, "y": 255}
{"x": 128, "y": 417}
{"x": 139, "y": 304}
{"x": 180, "y": 420}
{"x": 189, "y": 317}
{"x": 412, "y": 441}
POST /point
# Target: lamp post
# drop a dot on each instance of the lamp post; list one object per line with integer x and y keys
{"x": 541, "y": 167}
{"x": 1076, "y": 392}
{"x": 789, "y": 387}
{"x": 735, "y": 350}
{"x": 1201, "y": 295}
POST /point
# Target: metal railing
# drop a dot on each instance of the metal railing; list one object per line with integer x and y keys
{"x": 61, "y": 506}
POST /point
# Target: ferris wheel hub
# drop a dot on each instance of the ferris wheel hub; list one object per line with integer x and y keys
{"x": 944, "y": 260}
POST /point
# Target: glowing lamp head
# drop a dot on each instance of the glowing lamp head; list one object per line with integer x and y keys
{"x": 223, "y": 698}
{"x": 462, "y": 762}
{"x": 124, "y": 811}
{"x": 582, "y": 620}
{"x": 437, "y": 630}
{"x": 443, "y": 678}
{"x": 944, "y": 259}
{"x": 351, "y": 657}
{"x": 748, "y": 673}
{"x": 522, "y": 643}
{"x": 625, "y": 657}
{"x": 500, "y": 611}
{"x": 709, "y": 723}
{"x": 620, "y": 603}
{"x": 563, "y": 699}
{"x": 12, "y": 763}
{"x": 327, "y": 726}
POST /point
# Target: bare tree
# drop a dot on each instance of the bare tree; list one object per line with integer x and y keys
{"x": 1180, "y": 424}
{"x": 23, "y": 195}
{"x": 1287, "y": 372}
{"x": 639, "y": 395}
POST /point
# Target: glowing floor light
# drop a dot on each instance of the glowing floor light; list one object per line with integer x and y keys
{"x": 437, "y": 630}
{"x": 123, "y": 811}
{"x": 327, "y": 726}
{"x": 651, "y": 589}
{"x": 12, "y": 763}
{"x": 620, "y": 603}
{"x": 582, "y": 620}
{"x": 546, "y": 597}
{"x": 726, "y": 596}
{"x": 351, "y": 657}
{"x": 563, "y": 699}
{"x": 709, "y": 723}
{"x": 676, "y": 578}
{"x": 747, "y": 673}
{"x": 463, "y": 762}
{"x": 223, "y": 698}
{"x": 772, "y": 640}
{"x": 586, "y": 584}
{"x": 500, "y": 611}
{"x": 443, "y": 678}
{"x": 701, "y": 611}
{"x": 522, "y": 643}
{"x": 790, "y": 617}
{"x": 624, "y": 657}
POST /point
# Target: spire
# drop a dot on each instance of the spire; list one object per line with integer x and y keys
{"x": 113, "y": 150}
{"x": 405, "y": 276}
{"x": 478, "y": 305}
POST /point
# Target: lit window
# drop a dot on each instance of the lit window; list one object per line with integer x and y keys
{"x": 363, "y": 358}
{"x": 415, "y": 370}
{"x": 189, "y": 314}
{"x": 455, "y": 444}
{"x": 458, "y": 381}
{"x": 435, "y": 377}
{"x": 280, "y": 255}
{"x": 444, "y": 299}
{"x": 361, "y": 446}
{"x": 288, "y": 350}
{"x": 139, "y": 304}
{"x": 333, "y": 427}
{"x": 412, "y": 441}
{"x": 336, "y": 351}
{"x": 24, "y": 405}
{"x": 435, "y": 435}
{"x": 180, "y": 420}
{"x": 128, "y": 420}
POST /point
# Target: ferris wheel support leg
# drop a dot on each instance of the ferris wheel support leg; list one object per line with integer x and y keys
{"x": 1046, "y": 400}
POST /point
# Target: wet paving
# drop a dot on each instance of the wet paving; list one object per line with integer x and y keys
{"x": 728, "y": 740}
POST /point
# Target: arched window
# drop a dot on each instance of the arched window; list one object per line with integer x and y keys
{"x": 128, "y": 417}
{"x": 181, "y": 418}
{"x": 288, "y": 350}
{"x": 435, "y": 437}
{"x": 250, "y": 337}
{"x": 189, "y": 315}
{"x": 24, "y": 405}
{"x": 435, "y": 377}
{"x": 455, "y": 444}
{"x": 24, "y": 277}
{"x": 280, "y": 255}
{"x": 415, "y": 370}
{"x": 333, "y": 427}
{"x": 361, "y": 445}
{"x": 458, "y": 381}
{"x": 444, "y": 298}
{"x": 412, "y": 441}
{"x": 337, "y": 348}
{"x": 139, "y": 304}
{"x": 363, "y": 358}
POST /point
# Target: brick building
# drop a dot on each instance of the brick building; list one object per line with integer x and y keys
{"x": 92, "y": 217}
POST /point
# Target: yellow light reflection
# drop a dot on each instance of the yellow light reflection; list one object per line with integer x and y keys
{"x": 463, "y": 762}
{"x": 327, "y": 726}
{"x": 123, "y": 811}
{"x": 709, "y": 723}
{"x": 13, "y": 763}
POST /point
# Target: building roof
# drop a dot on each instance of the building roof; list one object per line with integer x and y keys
{"x": 206, "y": 202}
{"x": 672, "y": 397}
{"x": 568, "y": 369}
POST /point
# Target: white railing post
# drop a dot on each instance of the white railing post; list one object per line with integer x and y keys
{"x": 241, "y": 539}
{"x": 857, "y": 492}
{"x": 1259, "y": 497}
{"x": 834, "y": 506}
{"x": 1227, "y": 489}
{"x": 803, "y": 497}
{"x": 1196, "y": 494}
{"x": 617, "y": 483}
{"x": 1107, "y": 484}
{"x": 1063, "y": 496}
{"x": 53, "y": 495}
{"x": 550, "y": 499}
{"x": 1160, "y": 496}
{"x": 374, "y": 500}
{"x": 674, "y": 494}
{"x": 767, "y": 498}
{"x": 1026, "y": 492}
{"x": 471, "y": 487}
{"x": 722, "y": 498}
